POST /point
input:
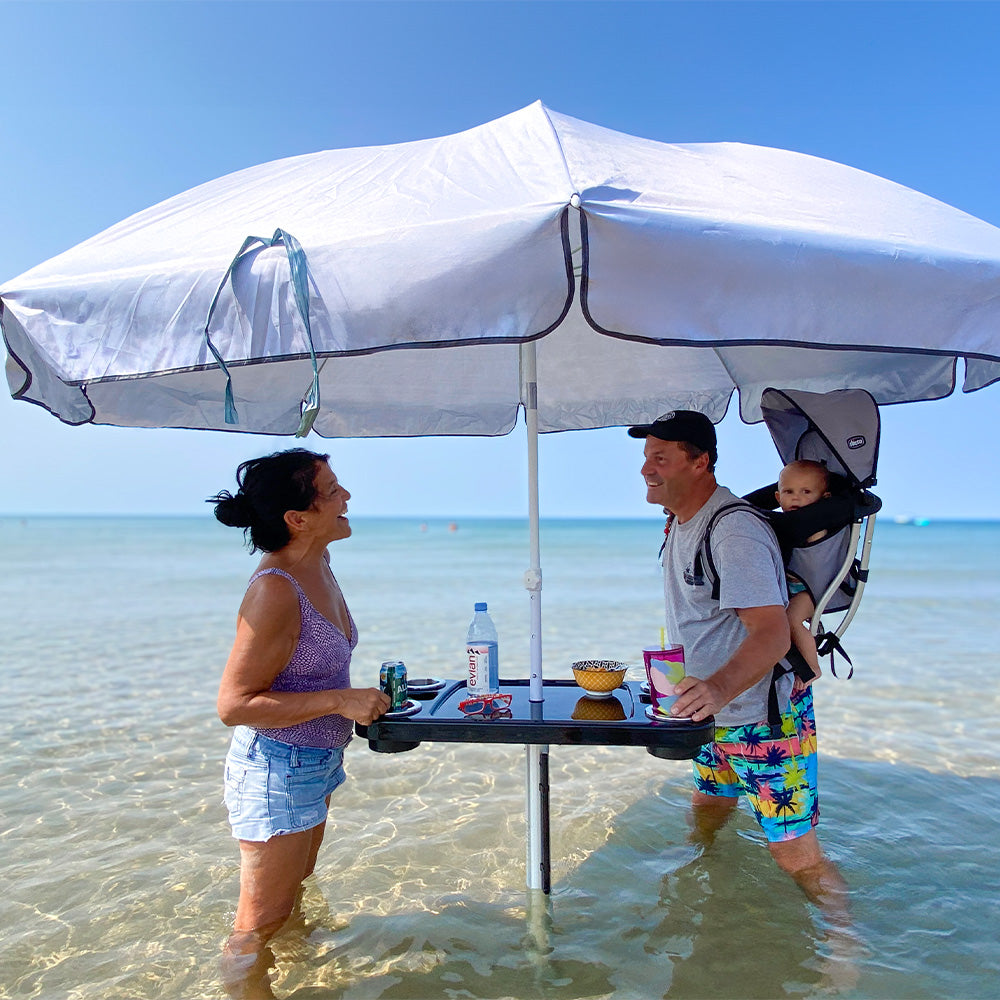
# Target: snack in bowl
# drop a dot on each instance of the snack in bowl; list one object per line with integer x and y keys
{"x": 599, "y": 677}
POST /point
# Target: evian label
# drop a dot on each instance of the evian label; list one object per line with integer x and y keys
{"x": 479, "y": 667}
{"x": 858, "y": 441}
{"x": 483, "y": 674}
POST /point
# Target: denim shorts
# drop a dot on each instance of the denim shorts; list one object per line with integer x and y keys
{"x": 274, "y": 788}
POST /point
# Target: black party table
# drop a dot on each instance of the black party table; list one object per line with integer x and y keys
{"x": 567, "y": 716}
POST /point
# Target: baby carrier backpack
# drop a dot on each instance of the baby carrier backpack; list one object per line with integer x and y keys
{"x": 839, "y": 429}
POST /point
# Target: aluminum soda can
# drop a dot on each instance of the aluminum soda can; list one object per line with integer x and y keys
{"x": 392, "y": 680}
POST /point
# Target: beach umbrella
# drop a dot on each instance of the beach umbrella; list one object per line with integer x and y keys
{"x": 537, "y": 263}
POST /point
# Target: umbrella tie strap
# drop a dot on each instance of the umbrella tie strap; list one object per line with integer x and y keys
{"x": 300, "y": 287}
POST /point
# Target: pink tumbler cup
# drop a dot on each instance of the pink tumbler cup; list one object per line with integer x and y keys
{"x": 664, "y": 668}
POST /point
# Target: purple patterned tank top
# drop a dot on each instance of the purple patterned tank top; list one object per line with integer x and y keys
{"x": 322, "y": 660}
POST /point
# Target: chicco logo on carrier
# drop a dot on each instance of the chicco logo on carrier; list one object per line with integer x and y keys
{"x": 858, "y": 441}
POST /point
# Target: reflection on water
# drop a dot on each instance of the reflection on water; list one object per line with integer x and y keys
{"x": 120, "y": 877}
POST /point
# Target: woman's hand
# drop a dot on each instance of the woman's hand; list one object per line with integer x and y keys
{"x": 363, "y": 705}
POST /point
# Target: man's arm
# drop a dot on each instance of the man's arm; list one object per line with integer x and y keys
{"x": 767, "y": 641}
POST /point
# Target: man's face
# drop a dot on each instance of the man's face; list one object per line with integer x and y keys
{"x": 669, "y": 472}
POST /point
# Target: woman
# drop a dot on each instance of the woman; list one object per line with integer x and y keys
{"x": 286, "y": 686}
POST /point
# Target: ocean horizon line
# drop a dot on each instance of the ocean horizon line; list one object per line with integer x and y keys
{"x": 445, "y": 519}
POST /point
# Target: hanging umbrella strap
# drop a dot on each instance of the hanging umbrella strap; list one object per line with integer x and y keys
{"x": 300, "y": 288}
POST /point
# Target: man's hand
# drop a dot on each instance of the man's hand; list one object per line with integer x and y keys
{"x": 697, "y": 699}
{"x": 766, "y": 641}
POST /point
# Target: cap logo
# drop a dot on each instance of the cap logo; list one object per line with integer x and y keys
{"x": 667, "y": 416}
{"x": 858, "y": 441}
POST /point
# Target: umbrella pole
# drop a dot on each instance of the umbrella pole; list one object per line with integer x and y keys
{"x": 537, "y": 776}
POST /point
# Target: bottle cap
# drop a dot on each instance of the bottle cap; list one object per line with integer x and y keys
{"x": 480, "y": 605}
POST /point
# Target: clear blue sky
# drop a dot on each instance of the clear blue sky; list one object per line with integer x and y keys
{"x": 108, "y": 108}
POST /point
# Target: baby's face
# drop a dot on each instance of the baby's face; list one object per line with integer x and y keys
{"x": 799, "y": 487}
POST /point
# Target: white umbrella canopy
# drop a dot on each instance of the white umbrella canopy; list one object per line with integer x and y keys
{"x": 649, "y": 275}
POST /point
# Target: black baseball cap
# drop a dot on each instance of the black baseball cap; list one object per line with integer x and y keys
{"x": 681, "y": 425}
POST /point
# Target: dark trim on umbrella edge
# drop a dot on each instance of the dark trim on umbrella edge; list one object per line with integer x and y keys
{"x": 683, "y": 342}
{"x": 20, "y": 394}
{"x": 423, "y": 345}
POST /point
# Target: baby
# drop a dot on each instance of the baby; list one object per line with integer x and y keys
{"x": 801, "y": 483}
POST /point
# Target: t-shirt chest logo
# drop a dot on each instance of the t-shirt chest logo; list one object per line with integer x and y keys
{"x": 692, "y": 577}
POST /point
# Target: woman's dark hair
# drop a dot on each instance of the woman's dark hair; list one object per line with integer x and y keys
{"x": 268, "y": 487}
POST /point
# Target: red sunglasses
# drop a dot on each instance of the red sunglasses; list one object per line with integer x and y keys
{"x": 480, "y": 703}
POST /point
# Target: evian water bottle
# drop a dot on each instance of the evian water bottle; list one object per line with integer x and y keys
{"x": 481, "y": 646}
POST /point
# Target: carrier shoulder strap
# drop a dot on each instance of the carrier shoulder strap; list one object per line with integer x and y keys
{"x": 794, "y": 661}
{"x": 700, "y": 563}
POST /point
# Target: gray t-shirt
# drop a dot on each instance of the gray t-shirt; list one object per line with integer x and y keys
{"x": 751, "y": 575}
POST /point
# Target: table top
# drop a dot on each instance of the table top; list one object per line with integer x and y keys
{"x": 566, "y": 716}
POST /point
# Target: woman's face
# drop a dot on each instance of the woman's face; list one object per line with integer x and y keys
{"x": 330, "y": 504}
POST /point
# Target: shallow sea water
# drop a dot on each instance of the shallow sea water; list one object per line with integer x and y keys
{"x": 119, "y": 876}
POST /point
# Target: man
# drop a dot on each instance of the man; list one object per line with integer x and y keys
{"x": 731, "y": 644}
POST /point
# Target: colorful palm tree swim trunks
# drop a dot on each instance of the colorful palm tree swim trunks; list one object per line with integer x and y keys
{"x": 777, "y": 776}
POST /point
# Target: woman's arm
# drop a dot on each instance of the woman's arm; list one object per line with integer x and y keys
{"x": 267, "y": 631}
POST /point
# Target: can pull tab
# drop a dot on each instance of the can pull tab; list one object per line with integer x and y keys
{"x": 533, "y": 580}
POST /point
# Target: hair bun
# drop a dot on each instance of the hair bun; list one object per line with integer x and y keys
{"x": 233, "y": 511}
